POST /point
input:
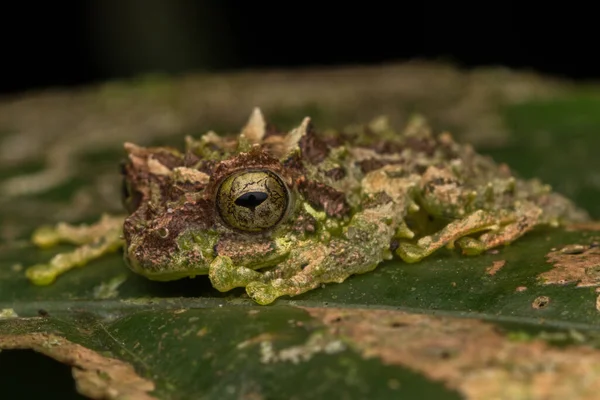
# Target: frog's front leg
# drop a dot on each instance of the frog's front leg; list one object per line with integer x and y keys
{"x": 364, "y": 244}
{"x": 310, "y": 267}
{"x": 224, "y": 275}
{"x": 95, "y": 240}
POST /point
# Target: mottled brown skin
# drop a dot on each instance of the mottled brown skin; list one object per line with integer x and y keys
{"x": 349, "y": 202}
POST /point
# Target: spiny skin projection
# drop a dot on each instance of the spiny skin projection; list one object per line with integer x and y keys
{"x": 280, "y": 213}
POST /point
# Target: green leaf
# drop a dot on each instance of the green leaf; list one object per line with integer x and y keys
{"x": 401, "y": 330}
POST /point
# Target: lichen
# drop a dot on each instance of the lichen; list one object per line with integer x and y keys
{"x": 319, "y": 342}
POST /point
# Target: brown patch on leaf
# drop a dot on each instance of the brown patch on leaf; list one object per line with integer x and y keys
{"x": 97, "y": 377}
{"x": 573, "y": 263}
{"x": 469, "y": 356}
{"x": 324, "y": 197}
{"x": 540, "y": 302}
{"x": 496, "y": 266}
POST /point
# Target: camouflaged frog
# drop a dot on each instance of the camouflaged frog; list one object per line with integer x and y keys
{"x": 282, "y": 213}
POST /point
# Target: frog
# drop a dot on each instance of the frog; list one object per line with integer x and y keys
{"x": 281, "y": 213}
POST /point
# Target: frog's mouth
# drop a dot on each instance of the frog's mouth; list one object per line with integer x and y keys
{"x": 195, "y": 252}
{"x": 188, "y": 256}
{"x": 266, "y": 262}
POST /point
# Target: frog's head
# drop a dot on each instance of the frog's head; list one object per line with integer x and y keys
{"x": 250, "y": 198}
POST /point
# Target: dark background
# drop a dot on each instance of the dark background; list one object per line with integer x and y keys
{"x": 47, "y": 44}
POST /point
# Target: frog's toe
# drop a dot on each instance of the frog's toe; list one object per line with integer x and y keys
{"x": 262, "y": 293}
{"x": 45, "y": 237}
{"x": 221, "y": 274}
{"x": 470, "y": 246}
{"x": 224, "y": 275}
{"x": 41, "y": 274}
{"x": 410, "y": 253}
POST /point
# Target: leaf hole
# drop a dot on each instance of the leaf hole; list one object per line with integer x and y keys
{"x": 540, "y": 302}
{"x": 25, "y": 374}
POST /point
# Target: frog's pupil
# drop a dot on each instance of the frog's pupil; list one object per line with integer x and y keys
{"x": 251, "y": 200}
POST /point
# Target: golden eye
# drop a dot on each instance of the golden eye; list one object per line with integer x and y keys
{"x": 252, "y": 200}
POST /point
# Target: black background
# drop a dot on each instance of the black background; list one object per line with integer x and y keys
{"x": 47, "y": 44}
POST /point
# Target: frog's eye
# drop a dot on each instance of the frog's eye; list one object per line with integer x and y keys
{"x": 252, "y": 200}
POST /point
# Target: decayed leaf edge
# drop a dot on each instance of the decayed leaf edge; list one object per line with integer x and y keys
{"x": 96, "y": 376}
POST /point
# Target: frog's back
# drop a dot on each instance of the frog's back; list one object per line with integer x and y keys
{"x": 432, "y": 162}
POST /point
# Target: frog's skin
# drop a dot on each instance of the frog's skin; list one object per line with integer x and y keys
{"x": 282, "y": 213}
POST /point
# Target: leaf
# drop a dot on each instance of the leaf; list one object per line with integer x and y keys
{"x": 401, "y": 330}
